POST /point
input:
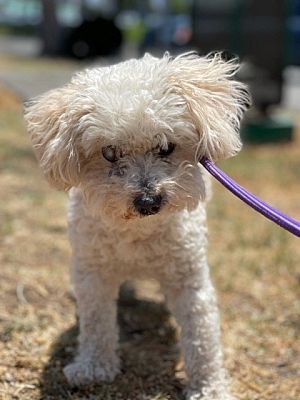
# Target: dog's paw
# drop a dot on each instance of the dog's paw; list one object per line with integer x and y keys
{"x": 86, "y": 373}
{"x": 208, "y": 394}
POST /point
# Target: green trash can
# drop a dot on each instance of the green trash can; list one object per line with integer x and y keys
{"x": 268, "y": 130}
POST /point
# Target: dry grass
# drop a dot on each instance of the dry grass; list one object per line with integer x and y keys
{"x": 8, "y": 100}
{"x": 255, "y": 266}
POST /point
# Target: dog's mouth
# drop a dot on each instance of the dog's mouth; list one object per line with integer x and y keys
{"x": 129, "y": 215}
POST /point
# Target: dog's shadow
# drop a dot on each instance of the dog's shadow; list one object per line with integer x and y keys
{"x": 149, "y": 352}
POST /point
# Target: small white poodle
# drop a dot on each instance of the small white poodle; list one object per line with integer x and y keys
{"x": 126, "y": 140}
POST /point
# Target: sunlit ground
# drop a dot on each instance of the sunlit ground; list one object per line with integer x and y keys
{"x": 255, "y": 267}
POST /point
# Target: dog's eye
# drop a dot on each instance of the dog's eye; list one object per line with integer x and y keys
{"x": 166, "y": 151}
{"x": 110, "y": 153}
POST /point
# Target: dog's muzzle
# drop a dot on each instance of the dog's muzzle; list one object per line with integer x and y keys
{"x": 147, "y": 204}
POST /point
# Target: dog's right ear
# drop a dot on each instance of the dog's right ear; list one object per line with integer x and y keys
{"x": 52, "y": 124}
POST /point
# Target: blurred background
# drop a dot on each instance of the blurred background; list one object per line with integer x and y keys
{"x": 255, "y": 264}
{"x": 264, "y": 34}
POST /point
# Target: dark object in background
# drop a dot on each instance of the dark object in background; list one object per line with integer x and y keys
{"x": 272, "y": 128}
{"x": 92, "y": 38}
{"x": 167, "y": 32}
{"x": 257, "y": 32}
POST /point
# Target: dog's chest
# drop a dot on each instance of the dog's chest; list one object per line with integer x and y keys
{"x": 136, "y": 252}
{"x": 143, "y": 256}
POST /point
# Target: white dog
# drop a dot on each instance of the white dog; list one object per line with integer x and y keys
{"x": 126, "y": 141}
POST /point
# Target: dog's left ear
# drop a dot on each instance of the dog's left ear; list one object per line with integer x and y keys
{"x": 215, "y": 101}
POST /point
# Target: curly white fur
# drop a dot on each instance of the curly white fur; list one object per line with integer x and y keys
{"x": 138, "y": 107}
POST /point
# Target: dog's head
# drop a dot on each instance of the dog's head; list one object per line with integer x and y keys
{"x": 130, "y": 135}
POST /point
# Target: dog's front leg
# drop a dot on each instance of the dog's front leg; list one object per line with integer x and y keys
{"x": 194, "y": 305}
{"x": 98, "y": 338}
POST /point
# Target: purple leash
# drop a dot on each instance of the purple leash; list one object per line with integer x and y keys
{"x": 260, "y": 206}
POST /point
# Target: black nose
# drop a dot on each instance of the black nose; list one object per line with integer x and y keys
{"x": 148, "y": 204}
